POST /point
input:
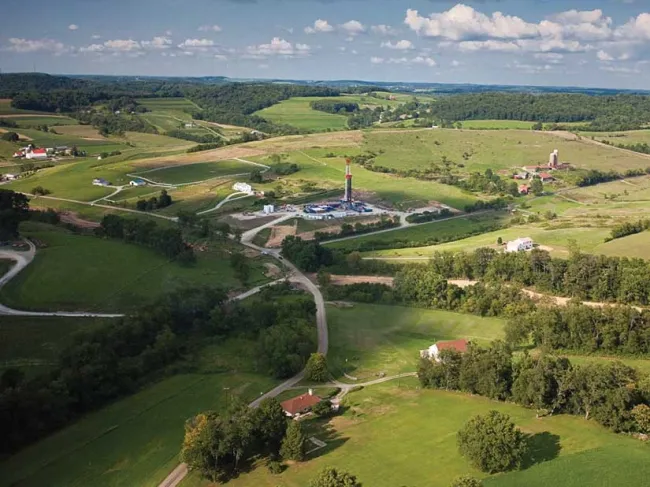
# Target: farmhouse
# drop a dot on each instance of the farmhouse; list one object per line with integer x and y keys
{"x": 36, "y": 154}
{"x": 523, "y": 189}
{"x": 10, "y": 177}
{"x": 137, "y": 182}
{"x": 100, "y": 182}
{"x": 300, "y": 405}
{"x": 520, "y": 244}
{"x": 434, "y": 350}
{"x": 242, "y": 187}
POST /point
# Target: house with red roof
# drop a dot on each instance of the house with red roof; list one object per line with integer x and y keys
{"x": 36, "y": 154}
{"x": 301, "y": 404}
{"x": 434, "y": 350}
{"x": 546, "y": 177}
{"x": 523, "y": 189}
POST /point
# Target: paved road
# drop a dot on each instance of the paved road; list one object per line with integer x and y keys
{"x": 23, "y": 259}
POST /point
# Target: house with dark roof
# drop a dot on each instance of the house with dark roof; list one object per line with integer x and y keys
{"x": 434, "y": 350}
{"x": 300, "y": 405}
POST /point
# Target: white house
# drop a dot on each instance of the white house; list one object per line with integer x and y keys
{"x": 520, "y": 244}
{"x": 190, "y": 125}
{"x": 137, "y": 182}
{"x": 11, "y": 177}
{"x": 434, "y": 350}
{"x": 242, "y": 187}
{"x": 36, "y": 154}
{"x": 268, "y": 209}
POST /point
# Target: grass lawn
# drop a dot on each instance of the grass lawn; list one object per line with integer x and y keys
{"x": 394, "y": 436}
{"x": 32, "y": 344}
{"x": 497, "y": 124}
{"x": 503, "y": 149}
{"x": 188, "y": 173}
{"x": 443, "y": 230}
{"x": 367, "y": 339}
{"x": 557, "y": 239}
{"x": 136, "y": 441}
{"x": 5, "y": 265}
{"x": 87, "y": 273}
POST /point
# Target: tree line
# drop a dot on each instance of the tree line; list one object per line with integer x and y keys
{"x": 628, "y": 228}
{"x": 334, "y": 106}
{"x": 14, "y": 208}
{"x": 154, "y": 203}
{"x": 612, "y": 394}
{"x": 359, "y": 228}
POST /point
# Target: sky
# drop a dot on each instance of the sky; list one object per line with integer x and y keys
{"x": 591, "y": 43}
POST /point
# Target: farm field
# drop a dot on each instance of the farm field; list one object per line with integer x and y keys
{"x": 503, "y": 149}
{"x": 49, "y": 120}
{"x": 135, "y": 441}
{"x": 392, "y": 435}
{"x": 497, "y": 124}
{"x": 32, "y": 344}
{"x": 83, "y": 131}
{"x": 298, "y": 113}
{"x": 441, "y": 230}
{"x": 637, "y": 245}
{"x": 369, "y": 339}
{"x": 197, "y": 172}
{"x": 85, "y": 273}
{"x": 156, "y": 104}
{"x": 622, "y": 137}
{"x": 556, "y": 240}
{"x": 92, "y": 147}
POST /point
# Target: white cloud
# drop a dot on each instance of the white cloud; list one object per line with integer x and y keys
{"x": 550, "y": 57}
{"x": 581, "y": 17}
{"x": 168, "y": 33}
{"x": 603, "y": 56}
{"x": 220, "y": 57}
{"x": 320, "y": 25}
{"x": 402, "y": 45}
{"x": 210, "y": 28}
{"x": 377, "y": 60}
{"x": 158, "y": 43}
{"x": 199, "y": 44}
{"x": 424, "y": 60}
{"x": 383, "y": 30}
{"x": 353, "y": 27}
{"x": 123, "y": 45}
{"x": 73, "y": 27}
{"x": 278, "y": 47}
{"x": 96, "y": 36}
{"x": 93, "y": 48}
{"x": 455, "y": 63}
{"x": 35, "y": 45}
{"x": 489, "y": 45}
{"x": 620, "y": 69}
{"x": 637, "y": 28}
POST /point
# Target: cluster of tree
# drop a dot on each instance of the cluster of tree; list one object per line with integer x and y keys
{"x": 488, "y": 183}
{"x": 334, "y": 106}
{"x": 611, "y": 393}
{"x": 285, "y": 168}
{"x": 362, "y": 292}
{"x": 14, "y": 208}
{"x": 153, "y": 203}
{"x": 200, "y": 138}
{"x": 10, "y": 137}
{"x": 205, "y": 228}
{"x": 168, "y": 241}
{"x": 8, "y": 123}
{"x": 365, "y": 117}
{"x": 126, "y": 104}
{"x": 306, "y": 255}
{"x": 108, "y": 123}
{"x": 204, "y": 147}
{"x": 428, "y": 216}
{"x": 581, "y": 276}
{"x": 603, "y": 111}
{"x": 493, "y": 204}
{"x": 40, "y": 191}
{"x": 359, "y": 228}
{"x": 49, "y": 216}
{"x": 628, "y": 228}
{"x": 641, "y": 147}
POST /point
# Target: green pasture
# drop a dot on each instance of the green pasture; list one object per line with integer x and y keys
{"x": 637, "y": 245}
{"x": 199, "y": 197}
{"x": 5, "y": 265}
{"x": 31, "y": 120}
{"x": 157, "y": 104}
{"x": 85, "y": 273}
{"x": 443, "y": 230}
{"x": 503, "y": 149}
{"x": 623, "y": 137}
{"x": 298, "y": 113}
{"x": 556, "y": 240}
{"x": 92, "y": 147}
{"x": 628, "y": 190}
{"x": 397, "y": 435}
{"x": 7, "y": 150}
{"x": 135, "y": 441}
{"x": 201, "y": 171}
{"x": 497, "y": 124}
{"x": 32, "y": 344}
{"x": 368, "y": 339}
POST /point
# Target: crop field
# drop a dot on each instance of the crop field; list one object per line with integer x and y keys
{"x": 157, "y": 104}
{"x": 504, "y": 149}
{"x": 83, "y": 131}
{"x": 49, "y": 120}
{"x": 85, "y": 273}
{"x": 395, "y": 434}
{"x": 442, "y": 230}
{"x": 497, "y": 124}
{"x": 197, "y": 172}
{"x": 623, "y": 137}
{"x": 368, "y": 339}
{"x": 555, "y": 240}
{"x": 32, "y": 344}
{"x": 92, "y": 147}
{"x": 135, "y": 441}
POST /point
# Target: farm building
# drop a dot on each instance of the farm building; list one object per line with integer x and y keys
{"x": 523, "y": 189}
{"x": 242, "y": 187}
{"x": 546, "y": 177}
{"x": 268, "y": 209}
{"x": 434, "y": 350}
{"x": 100, "y": 182}
{"x": 300, "y": 405}
{"x": 10, "y": 177}
{"x": 137, "y": 182}
{"x": 36, "y": 154}
{"x": 520, "y": 244}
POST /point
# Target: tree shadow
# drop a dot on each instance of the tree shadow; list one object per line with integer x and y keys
{"x": 328, "y": 434}
{"x": 542, "y": 447}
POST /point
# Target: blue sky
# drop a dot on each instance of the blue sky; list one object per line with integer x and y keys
{"x": 602, "y": 43}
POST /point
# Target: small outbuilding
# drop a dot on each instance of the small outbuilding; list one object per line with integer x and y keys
{"x": 100, "y": 182}
{"x": 523, "y": 189}
{"x": 243, "y": 187}
{"x": 137, "y": 182}
{"x": 300, "y": 405}
{"x": 434, "y": 350}
{"x": 546, "y": 177}
{"x": 519, "y": 245}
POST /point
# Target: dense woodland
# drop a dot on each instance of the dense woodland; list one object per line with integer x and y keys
{"x": 14, "y": 208}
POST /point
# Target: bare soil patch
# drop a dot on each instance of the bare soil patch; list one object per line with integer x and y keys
{"x": 345, "y": 280}
{"x": 72, "y": 218}
{"x": 272, "y": 270}
{"x": 278, "y": 233}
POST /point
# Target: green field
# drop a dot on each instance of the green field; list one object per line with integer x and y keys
{"x": 136, "y": 441}
{"x": 91, "y": 274}
{"x": 298, "y": 113}
{"x": 497, "y": 124}
{"x": 201, "y": 171}
{"x": 368, "y": 339}
{"x": 446, "y": 229}
{"x": 92, "y": 147}
{"x": 30, "y": 120}
{"x": 623, "y": 137}
{"x": 396, "y": 435}
{"x": 503, "y": 149}
{"x": 157, "y": 104}
{"x": 32, "y": 344}
{"x": 637, "y": 245}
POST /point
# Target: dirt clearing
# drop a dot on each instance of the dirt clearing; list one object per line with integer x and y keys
{"x": 73, "y": 219}
{"x": 278, "y": 233}
{"x": 345, "y": 280}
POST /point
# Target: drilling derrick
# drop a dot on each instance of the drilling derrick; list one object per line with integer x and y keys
{"x": 348, "y": 183}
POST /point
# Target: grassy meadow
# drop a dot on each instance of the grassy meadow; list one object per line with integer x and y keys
{"x": 397, "y": 435}
{"x": 75, "y": 272}
{"x": 367, "y": 339}
{"x": 497, "y": 124}
{"x": 503, "y": 149}
{"x": 158, "y": 104}
{"x": 198, "y": 172}
{"x": 49, "y": 120}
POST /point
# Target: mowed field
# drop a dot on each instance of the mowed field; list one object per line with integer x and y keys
{"x": 135, "y": 442}
{"x": 197, "y": 172}
{"x": 298, "y": 113}
{"x": 156, "y": 104}
{"x": 366, "y": 339}
{"x": 85, "y": 273}
{"x": 502, "y": 149}
{"x": 397, "y": 435}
